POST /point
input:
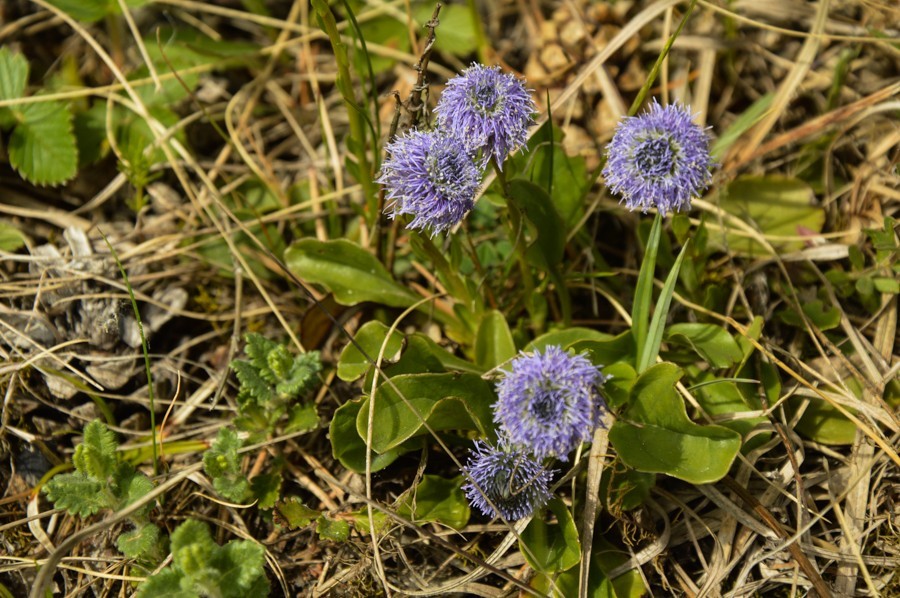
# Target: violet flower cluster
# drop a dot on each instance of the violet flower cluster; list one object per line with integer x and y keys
{"x": 547, "y": 405}
{"x": 658, "y": 159}
{"x": 433, "y": 176}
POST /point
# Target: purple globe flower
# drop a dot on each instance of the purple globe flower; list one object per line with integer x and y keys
{"x": 658, "y": 159}
{"x": 514, "y": 482}
{"x": 430, "y": 176}
{"x": 490, "y": 111}
{"x": 549, "y": 402}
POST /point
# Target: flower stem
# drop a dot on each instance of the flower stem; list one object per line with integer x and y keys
{"x": 517, "y": 230}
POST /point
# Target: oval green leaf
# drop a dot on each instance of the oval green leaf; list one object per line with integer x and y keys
{"x": 711, "y": 342}
{"x": 369, "y": 338}
{"x": 494, "y": 343}
{"x": 655, "y": 434}
{"x": 350, "y": 272}
{"x": 451, "y": 401}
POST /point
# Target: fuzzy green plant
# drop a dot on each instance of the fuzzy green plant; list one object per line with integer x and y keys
{"x": 272, "y": 382}
{"x": 202, "y": 568}
{"x": 103, "y": 481}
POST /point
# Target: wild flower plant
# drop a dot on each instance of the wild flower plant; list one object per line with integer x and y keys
{"x": 506, "y": 478}
{"x": 659, "y": 159}
{"x": 549, "y": 402}
{"x": 431, "y": 176}
{"x": 489, "y": 110}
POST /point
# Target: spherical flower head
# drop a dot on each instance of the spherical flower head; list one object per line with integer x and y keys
{"x": 432, "y": 177}
{"x": 490, "y": 111}
{"x": 549, "y": 402}
{"x": 516, "y": 483}
{"x": 658, "y": 159}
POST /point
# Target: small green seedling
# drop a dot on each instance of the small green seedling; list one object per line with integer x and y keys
{"x": 202, "y": 568}
{"x": 102, "y": 480}
{"x": 272, "y": 381}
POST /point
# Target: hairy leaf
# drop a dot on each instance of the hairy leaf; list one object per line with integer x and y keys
{"x": 78, "y": 494}
{"x": 42, "y": 147}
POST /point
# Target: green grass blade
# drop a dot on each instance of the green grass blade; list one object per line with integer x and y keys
{"x": 145, "y": 348}
{"x": 643, "y": 292}
{"x": 650, "y": 349}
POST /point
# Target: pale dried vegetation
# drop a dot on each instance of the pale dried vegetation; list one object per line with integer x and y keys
{"x": 794, "y": 517}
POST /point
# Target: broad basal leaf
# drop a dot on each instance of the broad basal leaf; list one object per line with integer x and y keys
{"x": 445, "y": 401}
{"x": 350, "y": 272}
{"x": 655, "y": 435}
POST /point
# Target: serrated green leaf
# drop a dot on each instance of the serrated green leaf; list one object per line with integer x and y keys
{"x": 302, "y": 418}
{"x": 165, "y": 584}
{"x": 655, "y": 435}
{"x": 96, "y": 456}
{"x": 222, "y": 464}
{"x": 265, "y": 489}
{"x": 42, "y": 147}
{"x": 138, "y": 542}
{"x": 130, "y": 485}
{"x": 13, "y": 74}
{"x": 235, "y": 570}
{"x": 78, "y": 494}
{"x": 437, "y": 499}
{"x": 301, "y": 375}
{"x": 254, "y": 387}
{"x": 296, "y": 514}
{"x": 350, "y": 272}
{"x": 335, "y": 530}
{"x": 361, "y": 521}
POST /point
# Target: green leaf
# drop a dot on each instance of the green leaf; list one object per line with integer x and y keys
{"x": 90, "y": 11}
{"x": 165, "y": 584}
{"x": 711, "y": 342}
{"x": 336, "y": 530}
{"x": 565, "y": 338}
{"x": 42, "y": 147}
{"x": 617, "y": 388}
{"x": 436, "y": 499}
{"x": 772, "y": 205}
{"x": 546, "y": 250}
{"x": 302, "y": 418}
{"x": 370, "y": 337}
{"x": 624, "y": 489}
{"x": 265, "y": 488}
{"x": 724, "y": 397}
{"x": 348, "y": 447}
{"x": 823, "y": 318}
{"x": 643, "y": 292}
{"x": 131, "y": 486}
{"x": 823, "y": 423}
{"x": 96, "y": 456}
{"x": 551, "y": 547}
{"x": 494, "y": 343}
{"x": 11, "y": 239}
{"x": 655, "y": 435}
{"x": 350, "y": 272}
{"x": 457, "y": 31}
{"x": 13, "y": 74}
{"x": 139, "y": 542}
{"x": 648, "y": 353}
{"x": 231, "y": 571}
{"x": 605, "y": 557}
{"x": 620, "y": 348}
{"x": 78, "y": 494}
{"x": 741, "y": 125}
{"x": 451, "y": 401}
{"x": 295, "y": 513}
{"x": 361, "y": 521}
{"x": 222, "y": 463}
